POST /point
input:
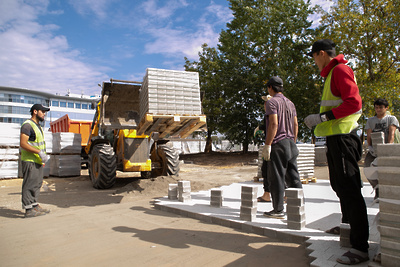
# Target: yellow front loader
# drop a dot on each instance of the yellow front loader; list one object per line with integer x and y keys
{"x": 121, "y": 140}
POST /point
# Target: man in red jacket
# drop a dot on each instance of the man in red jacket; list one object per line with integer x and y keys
{"x": 337, "y": 120}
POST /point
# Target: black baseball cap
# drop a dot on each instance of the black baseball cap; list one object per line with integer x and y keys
{"x": 324, "y": 44}
{"x": 275, "y": 80}
{"x": 39, "y": 107}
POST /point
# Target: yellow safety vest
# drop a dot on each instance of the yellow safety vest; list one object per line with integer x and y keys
{"x": 38, "y": 143}
{"x": 337, "y": 126}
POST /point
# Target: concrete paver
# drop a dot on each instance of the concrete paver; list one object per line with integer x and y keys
{"x": 322, "y": 211}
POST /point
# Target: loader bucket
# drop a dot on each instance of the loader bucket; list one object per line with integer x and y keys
{"x": 119, "y": 106}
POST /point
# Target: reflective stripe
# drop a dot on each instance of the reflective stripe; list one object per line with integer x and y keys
{"x": 36, "y": 143}
{"x": 331, "y": 103}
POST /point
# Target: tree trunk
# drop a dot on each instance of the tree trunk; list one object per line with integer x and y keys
{"x": 208, "y": 148}
{"x": 245, "y": 147}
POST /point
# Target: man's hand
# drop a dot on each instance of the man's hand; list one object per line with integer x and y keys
{"x": 312, "y": 120}
{"x": 266, "y": 153}
{"x": 43, "y": 156}
{"x": 372, "y": 151}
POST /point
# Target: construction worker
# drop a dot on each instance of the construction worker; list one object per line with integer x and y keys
{"x": 337, "y": 120}
{"x": 33, "y": 157}
{"x": 280, "y": 148}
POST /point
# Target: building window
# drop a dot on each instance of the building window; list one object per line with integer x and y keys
{"x": 84, "y": 106}
{"x": 70, "y": 105}
{"x": 63, "y": 104}
{"x": 78, "y": 105}
{"x": 55, "y": 103}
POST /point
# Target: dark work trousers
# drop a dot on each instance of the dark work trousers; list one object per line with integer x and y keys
{"x": 343, "y": 153}
{"x": 33, "y": 179}
{"x": 264, "y": 174}
{"x": 283, "y": 163}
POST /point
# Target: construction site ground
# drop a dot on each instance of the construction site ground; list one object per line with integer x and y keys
{"x": 121, "y": 227}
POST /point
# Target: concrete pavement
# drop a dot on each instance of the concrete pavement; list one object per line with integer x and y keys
{"x": 322, "y": 211}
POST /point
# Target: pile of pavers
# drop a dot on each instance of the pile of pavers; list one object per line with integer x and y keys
{"x": 248, "y": 208}
{"x": 296, "y": 215}
{"x": 48, "y": 139}
{"x": 317, "y": 199}
{"x": 216, "y": 198}
{"x": 389, "y": 203}
{"x": 170, "y": 92}
{"x": 184, "y": 190}
{"x": 65, "y": 160}
{"x": 306, "y": 162}
{"x": 9, "y": 150}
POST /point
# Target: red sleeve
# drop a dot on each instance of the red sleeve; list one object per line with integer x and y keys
{"x": 344, "y": 86}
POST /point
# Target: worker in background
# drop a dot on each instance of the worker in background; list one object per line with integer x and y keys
{"x": 266, "y": 197}
{"x": 33, "y": 158}
{"x": 280, "y": 148}
{"x": 337, "y": 120}
{"x": 381, "y": 122}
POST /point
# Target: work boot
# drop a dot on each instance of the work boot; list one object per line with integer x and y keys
{"x": 33, "y": 213}
{"x": 275, "y": 214}
{"x": 39, "y": 208}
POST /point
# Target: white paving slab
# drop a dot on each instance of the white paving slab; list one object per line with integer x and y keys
{"x": 322, "y": 211}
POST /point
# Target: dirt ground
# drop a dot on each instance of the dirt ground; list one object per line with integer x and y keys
{"x": 120, "y": 227}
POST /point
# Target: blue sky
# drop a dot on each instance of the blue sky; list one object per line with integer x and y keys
{"x": 59, "y": 45}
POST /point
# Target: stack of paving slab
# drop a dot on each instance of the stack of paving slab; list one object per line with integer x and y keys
{"x": 184, "y": 191}
{"x": 260, "y": 162}
{"x": 48, "y": 139}
{"x": 320, "y": 155}
{"x": 9, "y": 150}
{"x": 296, "y": 216}
{"x": 248, "y": 207}
{"x": 65, "y": 160}
{"x": 173, "y": 191}
{"x": 305, "y": 161}
{"x": 389, "y": 202}
{"x": 216, "y": 198}
{"x": 170, "y": 92}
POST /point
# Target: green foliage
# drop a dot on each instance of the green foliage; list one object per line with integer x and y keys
{"x": 264, "y": 39}
{"x": 267, "y": 38}
{"x": 212, "y": 93}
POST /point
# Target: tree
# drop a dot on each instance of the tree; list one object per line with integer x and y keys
{"x": 368, "y": 31}
{"x": 265, "y": 38}
{"x": 209, "y": 70}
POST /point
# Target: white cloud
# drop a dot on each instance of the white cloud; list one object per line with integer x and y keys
{"x": 33, "y": 57}
{"x": 166, "y": 11}
{"x": 96, "y": 7}
{"x": 223, "y": 14}
{"x": 325, "y": 5}
{"x": 186, "y": 42}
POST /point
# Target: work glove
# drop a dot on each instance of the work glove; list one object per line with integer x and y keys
{"x": 312, "y": 120}
{"x": 257, "y": 131}
{"x": 266, "y": 153}
{"x": 371, "y": 151}
{"x": 43, "y": 156}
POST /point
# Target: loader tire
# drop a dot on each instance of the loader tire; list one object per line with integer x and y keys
{"x": 102, "y": 166}
{"x": 168, "y": 161}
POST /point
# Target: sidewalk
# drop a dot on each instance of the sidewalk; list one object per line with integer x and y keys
{"x": 322, "y": 212}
